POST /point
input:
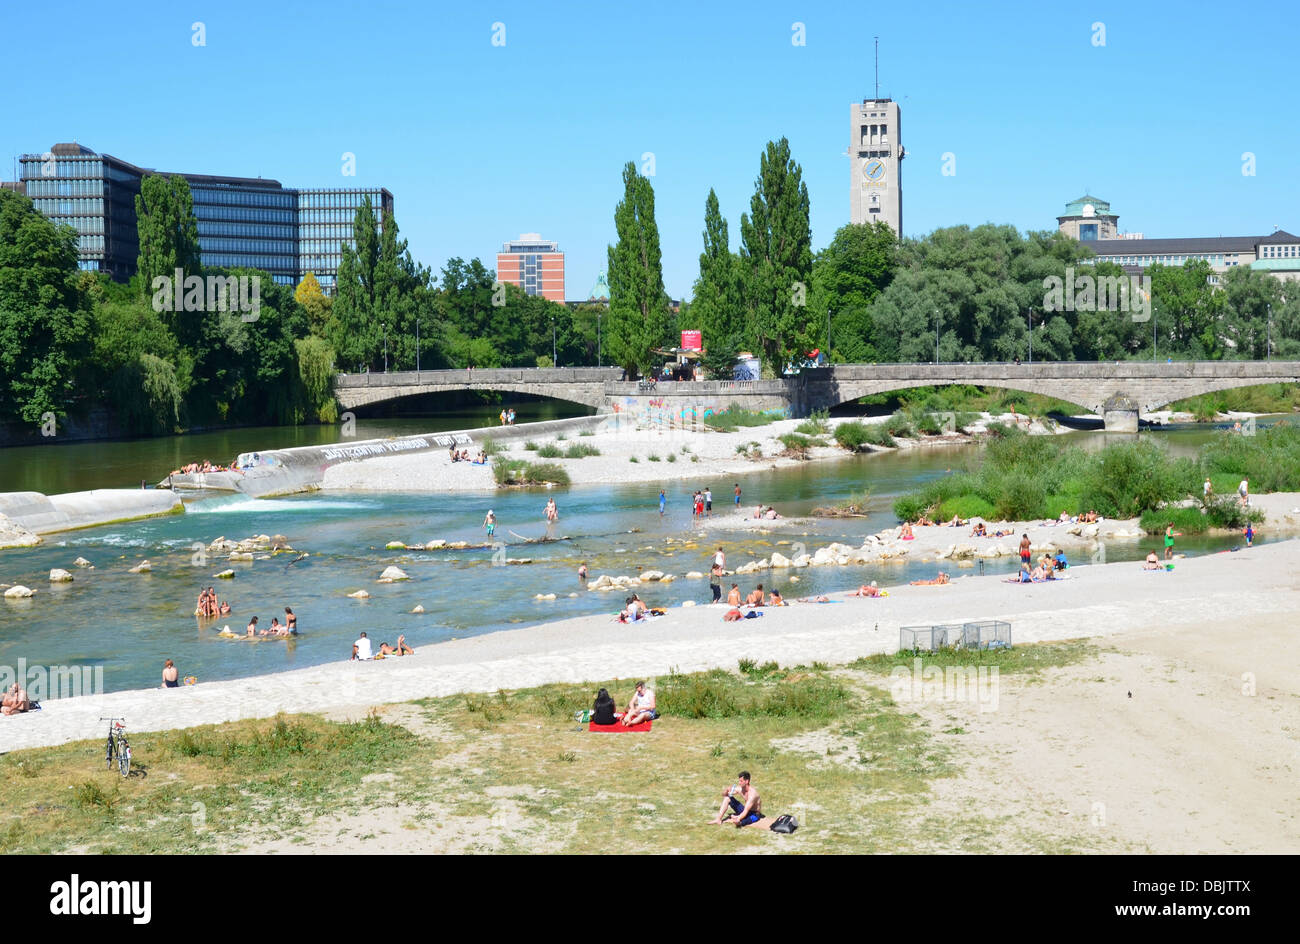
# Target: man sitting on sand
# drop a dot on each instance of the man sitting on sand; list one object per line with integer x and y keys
{"x": 868, "y": 591}
{"x": 15, "y": 701}
{"x": 936, "y": 582}
{"x": 361, "y": 649}
{"x": 744, "y": 802}
{"x": 755, "y": 598}
{"x": 641, "y": 707}
{"x": 979, "y": 531}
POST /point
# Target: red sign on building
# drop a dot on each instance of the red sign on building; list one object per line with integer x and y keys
{"x": 692, "y": 341}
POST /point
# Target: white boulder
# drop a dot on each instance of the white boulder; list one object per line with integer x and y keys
{"x": 59, "y": 575}
{"x": 392, "y": 574}
{"x": 18, "y": 592}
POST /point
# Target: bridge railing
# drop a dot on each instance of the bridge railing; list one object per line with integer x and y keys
{"x": 697, "y": 388}
{"x": 480, "y": 375}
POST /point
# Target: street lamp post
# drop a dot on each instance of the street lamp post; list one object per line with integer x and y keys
{"x": 553, "y": 361}
{"x": 1031, "y": 335}
{"x": 385, "y": 327}
{"x": 828, "y": 332}
{"x": 599, "y": 315}
{"x": 936, "y": 335}
{"x": 1268, "y": 342}
{"x": 417, "y": 348}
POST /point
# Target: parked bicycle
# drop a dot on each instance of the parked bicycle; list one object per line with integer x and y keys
{"x": 117, "y": 746}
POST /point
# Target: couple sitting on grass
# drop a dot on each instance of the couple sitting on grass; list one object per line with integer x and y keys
{"x": 640, "y": 708}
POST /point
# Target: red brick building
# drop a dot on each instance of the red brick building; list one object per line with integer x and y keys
{"x": 534, "y": 264}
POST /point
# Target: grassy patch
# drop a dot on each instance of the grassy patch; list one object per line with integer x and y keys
{"x": 735, "y": 416}
{"x": 512, "y": 772}
{"x": 508, "y": 471}
{"x": 550, "y": 451}
{"x": 580, "y": 451}
{"x": 1031, "y": 658}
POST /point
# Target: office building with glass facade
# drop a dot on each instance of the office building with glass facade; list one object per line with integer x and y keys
{"x": 242, "y": 221}
{"x": 325, "y": 218}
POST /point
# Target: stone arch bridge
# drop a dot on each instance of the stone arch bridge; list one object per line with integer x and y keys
{"x": 1120, "y": 391}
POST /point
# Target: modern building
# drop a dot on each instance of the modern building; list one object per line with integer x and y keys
{"x": 325, "y": 224}
{"x": 875, "y": 163}
{"x": 1090, "y": 221}
{"x": 249, "y": 222}
{"x": 534, "y": 264}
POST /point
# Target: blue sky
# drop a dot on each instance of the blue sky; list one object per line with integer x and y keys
{"x": 480, "y": 143}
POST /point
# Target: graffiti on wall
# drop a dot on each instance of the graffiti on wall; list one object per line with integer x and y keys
{"x": 664, "y": 412}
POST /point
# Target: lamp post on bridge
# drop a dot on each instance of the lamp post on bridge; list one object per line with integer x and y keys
{"x": 553, "y": 361}
{"x": 599, "y": 315}
{"x": 1268, "y": 337}
{"x": 417, "y": 348}
{"x": 385, "y": 327}
{"x": 936, "y": 335}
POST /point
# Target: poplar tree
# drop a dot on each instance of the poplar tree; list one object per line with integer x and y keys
{"x": 167, "y": 230}
{"x": 776, "y": 256}
{"x": 716, "y": 306}
{"x": 638, "y": 304}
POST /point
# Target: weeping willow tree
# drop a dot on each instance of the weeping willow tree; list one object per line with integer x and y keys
{"x": 316, "y": 374}
{"x": 148, "y": 396}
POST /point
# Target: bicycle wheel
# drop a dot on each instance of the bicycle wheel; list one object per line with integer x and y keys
{"x": 108, "y": 753}
{"x": 124, "y": 758}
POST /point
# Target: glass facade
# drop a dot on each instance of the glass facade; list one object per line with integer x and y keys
{"x": 242, "y": 222}
{"x": 325, "y": 223}
{"x": 247, "y": 224}
{"x": 95, "y": 195}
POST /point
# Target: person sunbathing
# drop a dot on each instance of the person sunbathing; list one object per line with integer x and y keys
{"x": 775, "y": 598}
{"x": 936, "y": 582}
{"x": 1023, "y": 576}
{"x": 733, "y": 595}
{"x": 402, "y": 648}
{"x": 979, "y": 531}
{"x": 906, "y": 533}
{"x": 924, "y": 522}
{"x": 1040, "y": 573}
{"x": 821, "y": 599}
{"x": 868, "y": 591}
{"x": 733, "y": 615}
{"x": 956, "y": 522}
{"x": 386, "y": 650}
{"x": 15, "y": 701}
{"x": 1152, "y": 562}
{"x": 756, "y": 597}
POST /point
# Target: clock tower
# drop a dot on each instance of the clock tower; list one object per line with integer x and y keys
{"x": 875, "y": 163}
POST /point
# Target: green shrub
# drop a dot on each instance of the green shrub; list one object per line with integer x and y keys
{"x": 897, "y": 425}
{"x": 672, "y": 457}
{"x": 1021, "y": 498}
{"x": 1226, "y": 512}
{"x": 531, "y": 446}
{"x": 1184, "y": 519}
{"x": 508, "y": 471}
{"x": 580, "y": 451}
{"x": 796, "y": 446}
{"x": 491, "y": 447}
{"x": 851, "y": 435}
{"x": 967, "y": 506}
{"x": 653, "y": 457}
{"x": 735, "y": 416}
{"x": 586, "y": 432}
{"x": 550, "y": 451}
{"x": 817, "y": 424}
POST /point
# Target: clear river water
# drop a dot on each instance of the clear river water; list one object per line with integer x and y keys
{"x": 129, "y": 623}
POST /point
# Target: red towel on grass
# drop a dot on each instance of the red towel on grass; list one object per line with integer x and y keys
{"x": 617, "y": 727}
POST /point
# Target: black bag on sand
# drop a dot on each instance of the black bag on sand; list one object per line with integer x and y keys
{"x": 785, "y": 823}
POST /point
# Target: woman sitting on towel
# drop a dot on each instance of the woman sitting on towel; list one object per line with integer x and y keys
{"x": 603, "y": 708}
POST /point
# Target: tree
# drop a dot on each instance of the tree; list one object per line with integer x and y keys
{"x": 1250, "y": 299}
{"x": 44, "y": 314}
{"x": 1188, "y": 309}
{"x": 314, "y": 302}
{"x": 638, "y": 305}
{"x": 167, "y": 230}
{"x": 715, "y": 307}
{"x": 848, "y": 274}
{"x": 353, "y": 331}
{"x": 776, "y": 254}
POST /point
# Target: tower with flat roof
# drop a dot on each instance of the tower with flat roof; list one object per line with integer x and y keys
{"x": 875, "y": 163}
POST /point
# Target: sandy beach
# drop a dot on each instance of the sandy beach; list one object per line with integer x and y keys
{"x": 1249, "y": 588}
{"x": 697, "y": 454}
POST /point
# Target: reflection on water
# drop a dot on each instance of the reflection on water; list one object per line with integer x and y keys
{"x": 130, "y": 623}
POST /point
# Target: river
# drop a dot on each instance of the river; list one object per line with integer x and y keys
{"x": 129, "y": 623}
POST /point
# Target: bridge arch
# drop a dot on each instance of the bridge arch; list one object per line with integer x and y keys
{"x": 581, "y": 385}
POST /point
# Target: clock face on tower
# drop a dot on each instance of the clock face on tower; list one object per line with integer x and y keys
{"x": 873, "y": 170}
